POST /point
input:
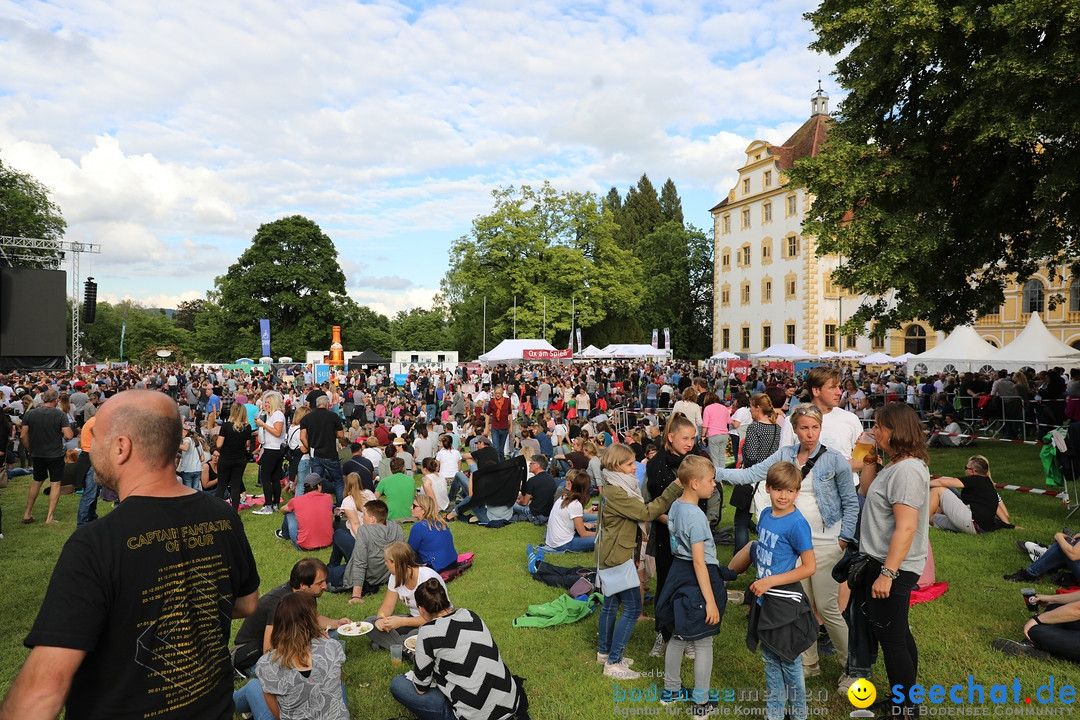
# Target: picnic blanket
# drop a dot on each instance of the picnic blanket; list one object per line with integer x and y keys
{"x": 464, "y": 562}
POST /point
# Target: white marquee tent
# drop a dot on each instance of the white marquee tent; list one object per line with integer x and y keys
{"x": 785, "y": 351}
{"x": 1035, "y": 347}
{"x": 510, "y": 351}
{"x": 964, "y": 350}
{"x": 635, "y": 351}
{"x": 592, "y": 352}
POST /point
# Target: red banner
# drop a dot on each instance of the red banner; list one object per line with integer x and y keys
{"x": 741, "y": 368}
{"x": 567, "y": 354}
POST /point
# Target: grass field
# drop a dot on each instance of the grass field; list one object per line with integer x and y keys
{"x": 953, "y": 633}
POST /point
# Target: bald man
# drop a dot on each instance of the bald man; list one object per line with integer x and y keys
{"x": 136, "y": 619}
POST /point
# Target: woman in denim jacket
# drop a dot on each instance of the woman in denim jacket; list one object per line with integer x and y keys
{"x": 832, "y": 509}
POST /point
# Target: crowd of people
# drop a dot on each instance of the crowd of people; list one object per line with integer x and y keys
{"x": 841, "y": 537}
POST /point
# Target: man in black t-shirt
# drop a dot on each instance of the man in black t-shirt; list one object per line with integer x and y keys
{"x": 154, "y": 585}
{"x": 44, "y": 430}
{"x": 253, "y": 638}
{"x": 320, "y": 431}
{"x": 360, "y": 465}
{"x": 978, "y": 508}
{"x": 538, "y": 497}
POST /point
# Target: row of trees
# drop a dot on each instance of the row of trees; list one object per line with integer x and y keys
{"x": 544, "y": 261}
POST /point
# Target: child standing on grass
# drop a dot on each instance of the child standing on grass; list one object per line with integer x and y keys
{"x": 688, "y": 602}
{"x": 782, "y": 619}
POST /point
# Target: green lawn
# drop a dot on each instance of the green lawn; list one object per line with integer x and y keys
{"x": 953, "y": 632}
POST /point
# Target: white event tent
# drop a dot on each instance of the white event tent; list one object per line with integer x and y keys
{"x": 785, "y": 351}
{"x": 1035, "y": 347}
{"x": 634, "y": 351}
{"x": 964, "y": 350}
{"x": 592, "y": 352}
{"x": 510, "y": 351}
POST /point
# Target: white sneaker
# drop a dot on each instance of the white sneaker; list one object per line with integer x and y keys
{"x": 689, "y": 652}
{"x": 658, "y": 646}
{"x": 845, "y": 682}
{"x": 602, "y": 659}
{"x": 620, "y": 672}
{"x": 264, "y": 510}
{"x": 1034, "y": 550}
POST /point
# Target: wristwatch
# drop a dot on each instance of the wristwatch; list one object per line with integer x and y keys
{"x": 891, "y": 574}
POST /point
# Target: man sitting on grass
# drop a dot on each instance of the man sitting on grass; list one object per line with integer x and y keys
{"x": 1053, "y": 633}
{"x": 309, "y": 518}
{"x": 366, "y": 573}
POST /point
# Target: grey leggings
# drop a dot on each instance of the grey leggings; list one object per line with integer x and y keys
{"x": 702, "y": 666}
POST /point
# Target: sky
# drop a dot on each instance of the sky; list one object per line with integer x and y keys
{"x": 168, "y": 132}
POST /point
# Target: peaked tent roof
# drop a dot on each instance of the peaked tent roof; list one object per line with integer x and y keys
{"x": 1035, "y": 347}
{"x": 512, "y": 350}
{"x": 633, "y": 351}
{"x": 963, "y": 349}
{"x": 785, "y": 351}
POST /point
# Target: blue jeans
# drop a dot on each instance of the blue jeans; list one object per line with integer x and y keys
{"x": 615, "y": 635}
{"x": 303, "y": 467}
{"x": 460, "y": 484}
{"x": 342, "y": 548}
{"x": 1053, "y": 559}
{"x": 250, "y": 699}
{"x": 523, "y": 513}
{"x": 329, "y": 470}
{"x": 783, "y": 685}
{"x": 431, "y": 705}
{"x": 480, "y": 512}
{"x": 88, "y": 503}
{"x": 190, "y": 479}
{"x": 291, "y": 528}
{"x": 577, "y": 544}
{"x": 498, "y": 438}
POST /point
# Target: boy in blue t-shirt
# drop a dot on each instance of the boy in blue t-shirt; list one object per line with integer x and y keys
{"x": 783, "y": 540}
{"x": 695, "y": 572}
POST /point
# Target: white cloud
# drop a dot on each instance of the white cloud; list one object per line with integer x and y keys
{"x": 168, "y": 133}
{"x": 390, "y": 303}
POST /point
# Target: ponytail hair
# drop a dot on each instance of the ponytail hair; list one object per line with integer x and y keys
{"x": 762, "y": 402}
{"x": 676, "y": 422}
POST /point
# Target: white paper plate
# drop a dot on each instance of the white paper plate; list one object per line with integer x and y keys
{"x": 355, "y": 629}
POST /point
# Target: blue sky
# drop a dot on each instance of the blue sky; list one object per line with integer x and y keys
{"x": 169, "y": 132}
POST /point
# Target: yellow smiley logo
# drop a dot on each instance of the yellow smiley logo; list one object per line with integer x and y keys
{"x": 862, "y": 693}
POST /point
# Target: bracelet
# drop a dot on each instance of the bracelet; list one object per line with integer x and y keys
{"x": 891, "y": 574}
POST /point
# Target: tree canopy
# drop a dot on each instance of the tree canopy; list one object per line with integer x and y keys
{"x": 26, "y": 210}
{"x": 537, "y": 245}
{"x": 951, "y": 168}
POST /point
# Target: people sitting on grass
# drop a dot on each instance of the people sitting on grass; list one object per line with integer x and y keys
{"x": 397, "y": 489}
{"x": 977, "y": 509}
{"x": 309, "y": 518}
{"x": 300, "y": 676}
{"x": 433, "y": 485}
{"x": 1055, "y": 632}
{"x": 253, "y": 639}
{"x": 566, "y": 528}
{"x": 365, "y": 573}
{"x": 355, "y": 499}
{"x": 535, "y": 501}
{"x": 430, "y": 536}
{"x": 949, "y": 426}
{"x": 405, "y": 575}
{"x": 1064, "y": 552}
{"x": 459, "y": 671}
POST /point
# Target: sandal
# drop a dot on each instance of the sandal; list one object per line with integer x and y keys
{"x": 27, "y": 521}
{"x": 449, "y": 517}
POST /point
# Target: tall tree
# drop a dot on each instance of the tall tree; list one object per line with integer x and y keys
{"x": 537, "y": 246}
{"x": 640, "y": 214}
{"x": 186, "y": 312}
{"x": 677, "y": 278}
{"x": 26, "y": 210}
{"x": 670, "y": 203}
{"x": 951, "y": 168}
{"x": 291, "y": 275}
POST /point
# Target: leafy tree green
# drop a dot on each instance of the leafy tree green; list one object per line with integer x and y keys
{"x": 187, "y": 311}
{"x": 537, "y": 244}
{"x": 362, "y": 328}
{"x": 419, "y": 329}
{"x": 145, "y": 329}
{"x": 677, "y": 267}
{"x": 951, "y": 168}
{"x": 289, "y": 274}
{"x": 26, "y": 210}
{"x": 670, "y": 203}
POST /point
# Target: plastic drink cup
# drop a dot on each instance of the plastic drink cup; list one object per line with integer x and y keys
{"x": 395, "y": 654}
{"x": 863, "y": 445}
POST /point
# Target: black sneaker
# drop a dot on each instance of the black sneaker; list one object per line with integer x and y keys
{"x": 1021, "y": 576}
{"x": 1020, "y": 649}
{"x": 704, "y": 709}
{"x": 280, "y": 534}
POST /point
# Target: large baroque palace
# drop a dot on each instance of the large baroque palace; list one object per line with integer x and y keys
{"x": 771, "y": 286}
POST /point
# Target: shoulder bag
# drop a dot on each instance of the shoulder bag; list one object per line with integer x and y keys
{"x": 613, "y": 580}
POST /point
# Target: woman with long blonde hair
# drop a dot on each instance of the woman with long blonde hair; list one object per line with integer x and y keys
{"x": 430, "y": 536}
{"x": 300, "y": 677}
{"x": 233, "y": 441}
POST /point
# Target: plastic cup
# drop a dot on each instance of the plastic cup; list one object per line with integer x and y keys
{"x": 863, "y": 445}
{"x": 395, "y": 654}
